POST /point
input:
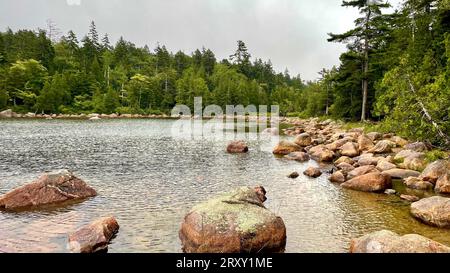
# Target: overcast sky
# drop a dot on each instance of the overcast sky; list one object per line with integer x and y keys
{"x": 292, "y": 33}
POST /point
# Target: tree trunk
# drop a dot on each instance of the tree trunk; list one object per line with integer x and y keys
{"x": 365, "y": 84}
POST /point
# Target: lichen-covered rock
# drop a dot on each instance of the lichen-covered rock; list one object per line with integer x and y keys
{"x": 94, "y": 237}
{"x": 435, "y": 170}
{"x": 236, "y": 222}
{"x": 298, "y": 156}
{"x": 443, "y": 183}
{"x": 337, "y": 177}
{"x": 417, "y": 184}
{"x": 286, "y": 147}
{"x": 401, "y": 173}
{"x": 433, "y": 211}
{"x": 236, "y": 147}
{"x": 389, "y": 242}
{"x": 364, "y": 143}
{"x": 344, "y": 159}
{"x": 50, "y": 188}
{"x": 361, "y": 171}
{"x": 371, "y": 182}
{"x": 312, "y": 172}
{"x": 350, "y": 149}
{"x": 382, "y": 147}
{"x": 303, "y": 140}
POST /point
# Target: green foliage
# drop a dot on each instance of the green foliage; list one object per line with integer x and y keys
{"x": 434, "y": 155}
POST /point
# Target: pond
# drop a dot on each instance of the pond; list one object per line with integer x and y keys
{"x": 149, "y": 179}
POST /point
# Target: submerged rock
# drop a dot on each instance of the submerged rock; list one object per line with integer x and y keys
{"x": 312, "y": 172}
{"x": 286, "y": 147}
{"x": 94, "y": 237}
{"x": 371, "y": 182}
{"x": 50, "y": 188}
{"x": 294, "y": 175}
{"x": 298, "y": 156}
{"x": 433, "y": 211}
{"x": 236, "y": 222}
{"x": 236, "y": 147}
{"x": 389, "y": 242}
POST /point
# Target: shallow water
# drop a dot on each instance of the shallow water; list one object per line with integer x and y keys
{"x": 149, "y": 180}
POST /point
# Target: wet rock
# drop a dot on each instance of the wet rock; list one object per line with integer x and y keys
{"x": 236, "y": 147}
{"x": 294, "y": 175}
{"x": 321, "y": 154}
{"x": 50, "y": 188}
{"x": 433, "y": 211}
{"x": 390, "y": 192}
{"x": 361, "y": 171}
{"x": 345, "y": 167}
{"x": 312, "y": 172}
{"x": 298, "y": 156}
{"x": 286, "y": 147}
{"x": 384, "y": 165}
{"x": 337, "y": 177}
{"x": 401, "y": 173}
{"x": 6, "y": 114}
{"x": 410, "y": 198}
{"x": 371, "y": 182}
{"x": 443, "y": 183}
{"x": 417, "y": 184}
{"x": 303, "y": 140}
{"x": 382, "y": 147}
{"x": 235, "y": 222}
{"x": 389, "y": 242}
{"x": 94, "y": 237}
{"x": 417, "y": 146}
{"x": 435, "y": 170}
{"x": 374, "y": 136}
{"x": 350, "y": 149}
{"x": 345, "y": 159}
{"x": 364, "y": 143}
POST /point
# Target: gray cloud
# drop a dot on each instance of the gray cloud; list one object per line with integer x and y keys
{"x": 292, "y": 33}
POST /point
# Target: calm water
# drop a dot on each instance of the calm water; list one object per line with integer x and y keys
{"x": 149, "y": 180}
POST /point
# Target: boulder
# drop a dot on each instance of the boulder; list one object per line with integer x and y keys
{"x": 368, "y": 160}
{"x": 298, "y": 156}
{"x": 6, "y": 114}
{"x": 350, "y": 149}
{"x": 364, "y": 143}
{"x": 443, "y": 183}
{"x": 345, "y": 159}
{"x": 382, "y": 147}
{"x": 361, "y": 171}
{"x": 399, "y": 141}
{"x": 374, "y": 136}
{"x": 371, "y": 182}
{"x": 236, "y": 222}
{"x": 417, "y": 146}
{"x": 303, "y": 140}
{"x": 312, "y": 172}
{"x": 336, "y": 145}
{"x": 94, "y": 237}
{"x": 285, "y": 147}
{"x": 294, "y": 175}
{"x": 384, "y": 165}
{"x": 433, "y": 211}
{"x": 401, "y": 173}
{"x": 337, "y": 177}
{"x": 389, "y": 242}
{"x": 417, "y": 184}
{"x": 412, "y": 160}
{"x": 236, "y": 147}
{"x": 435, "y": 170}
{"x": 95, "y": 118}
{"x": 321, "y": 154}
{"x": 345, "y": 167}
{"x": 50, "y": 188}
